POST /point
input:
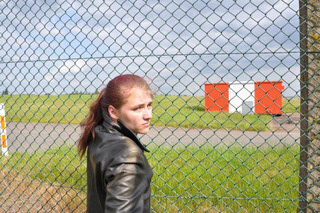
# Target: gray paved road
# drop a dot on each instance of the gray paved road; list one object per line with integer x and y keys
{"x": 36, "y": 136}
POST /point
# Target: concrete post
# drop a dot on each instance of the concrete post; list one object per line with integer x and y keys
{"x": 310, "y": 106}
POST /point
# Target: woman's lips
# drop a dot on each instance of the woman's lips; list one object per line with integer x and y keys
{"x": 146, "y": 124}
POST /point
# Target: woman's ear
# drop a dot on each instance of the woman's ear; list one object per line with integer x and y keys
{"x": 113, "y": 112}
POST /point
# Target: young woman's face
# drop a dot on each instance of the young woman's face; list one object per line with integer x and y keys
{"x": 136, "y": 113}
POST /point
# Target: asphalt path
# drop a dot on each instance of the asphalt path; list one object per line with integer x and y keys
{"x": 31, "y": 137}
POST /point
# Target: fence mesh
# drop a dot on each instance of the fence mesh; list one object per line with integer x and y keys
{"x": 225, "y": 133}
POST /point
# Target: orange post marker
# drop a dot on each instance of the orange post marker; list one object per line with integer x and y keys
{"x": 4, "y": 145}
{"x": 3, "y": 124}
{"x": 4, "y": 141}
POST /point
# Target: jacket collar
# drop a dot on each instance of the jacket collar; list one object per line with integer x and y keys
{"x": 120, "y": 129}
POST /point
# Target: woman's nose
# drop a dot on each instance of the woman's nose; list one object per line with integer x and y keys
{"x": 147, "y": 113}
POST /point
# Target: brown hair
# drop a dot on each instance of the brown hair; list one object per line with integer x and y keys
{"x": 114, "y": 94}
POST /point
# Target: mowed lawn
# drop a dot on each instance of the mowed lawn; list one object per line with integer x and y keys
{"x": 193, "y": 179}
{"x": 173, "y": 111}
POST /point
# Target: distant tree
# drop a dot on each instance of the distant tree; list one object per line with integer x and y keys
{"x": 5, "y": 92}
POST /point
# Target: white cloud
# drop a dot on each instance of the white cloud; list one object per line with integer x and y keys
{"x": 48, "y": 77}
{"x": 71, "y": 66}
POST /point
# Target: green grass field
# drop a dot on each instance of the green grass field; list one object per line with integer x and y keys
{"x": 189, "y": 179}
{"x": 173, "y": 111}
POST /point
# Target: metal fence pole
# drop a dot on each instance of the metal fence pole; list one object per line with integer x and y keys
{"x": 310, "y": 109}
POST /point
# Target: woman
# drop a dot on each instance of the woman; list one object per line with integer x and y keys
{"x": 118, "y": 172}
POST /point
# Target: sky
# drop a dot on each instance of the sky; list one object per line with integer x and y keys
{"x": 58, "y": 47}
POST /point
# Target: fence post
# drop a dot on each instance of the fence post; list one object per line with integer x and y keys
{"x": 3, "y": 132}
{"x": 309, "y": 188}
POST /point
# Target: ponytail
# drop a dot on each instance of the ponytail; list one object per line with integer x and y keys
{"x": 94, "y": 118}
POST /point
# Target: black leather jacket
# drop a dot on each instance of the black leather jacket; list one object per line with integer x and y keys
{"x": 118, "y": 172}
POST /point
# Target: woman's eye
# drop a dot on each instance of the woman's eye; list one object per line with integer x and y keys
{"x": 137, "y": 108}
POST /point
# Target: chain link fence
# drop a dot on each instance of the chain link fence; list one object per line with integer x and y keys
{"x": 229, "y": 77}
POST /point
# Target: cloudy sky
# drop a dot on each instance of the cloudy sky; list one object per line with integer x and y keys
{"x": 77, "y": 46}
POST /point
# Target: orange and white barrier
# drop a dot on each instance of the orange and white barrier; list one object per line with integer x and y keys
{"x": 261, "y": 97}
{"x": 3, "y": 131}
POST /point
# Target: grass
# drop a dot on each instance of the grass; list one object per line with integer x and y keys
{"x": 193, "y": 179}
{"x": 173, "y": 111}
{"x": 65, "y": 109}
{"x": 227, "y": 178}
{"x": 291, "y": 105}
